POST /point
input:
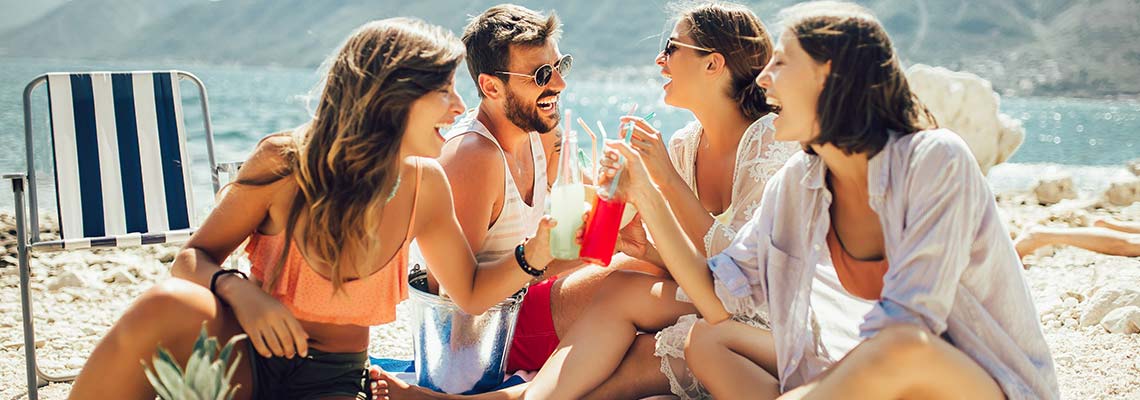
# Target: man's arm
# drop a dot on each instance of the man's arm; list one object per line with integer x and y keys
{"x": 475, "y": 171}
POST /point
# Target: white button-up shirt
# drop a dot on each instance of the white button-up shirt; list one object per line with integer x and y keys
{"x": 953, "y": 268}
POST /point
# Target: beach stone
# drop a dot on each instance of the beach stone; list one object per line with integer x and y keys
{"x": 75, "y": 363}
{"x": 1123, "y": 192}
{"x": 64, "y": 297}
{"x": 13, "y": 307}
{"x": 1075, "y": 295}
{"x": 1072, "y": 314}
{"x": 120, "y": 275}
{"x": 166, "y": 255}
{"x": 1105, "y": 300}
{"x": 70, "y": 279}
{"x": 1051, "y": 190}
{"x": 19, "y": 344}
{"x": 90, "y": 330}
{"x": 1134, "y": 166}
{"x": 1124, "y": 320}
{"x": 80, "y": 293}
{"x": 967, "y": 105}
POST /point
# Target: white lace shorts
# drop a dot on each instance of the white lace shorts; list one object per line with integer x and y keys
{"x": 670, "y": 345}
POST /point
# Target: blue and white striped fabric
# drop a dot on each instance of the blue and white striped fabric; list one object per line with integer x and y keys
{"x": 121, "y": 167}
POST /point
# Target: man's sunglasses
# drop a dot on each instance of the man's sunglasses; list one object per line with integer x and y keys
{"x": 672, "y": 45}
{"x": 543, "y": 74}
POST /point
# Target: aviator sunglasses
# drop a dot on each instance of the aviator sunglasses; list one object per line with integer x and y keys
{"x": 543, "y": 74}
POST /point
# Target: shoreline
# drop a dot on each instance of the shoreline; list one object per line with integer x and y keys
{"x": 638, "y": 71}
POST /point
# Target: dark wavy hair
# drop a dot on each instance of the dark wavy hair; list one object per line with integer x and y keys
{"x": 866, "y": 96}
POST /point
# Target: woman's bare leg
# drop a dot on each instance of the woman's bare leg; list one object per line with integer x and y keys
{"x": 903, "y": 362}
{"x": 170, "y": 314}
{"x": 639, "y": 375}
{"x": 1101, "y": 240}
{"x": 733, "y": 360}
{"x": 596, "y": 344}
{"x": 626, "y": 263}
{"x": 572, "y": 294}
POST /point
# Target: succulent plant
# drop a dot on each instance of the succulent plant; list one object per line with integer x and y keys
{"x": 206, "y": 376}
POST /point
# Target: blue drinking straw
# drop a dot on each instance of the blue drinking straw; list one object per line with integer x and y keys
{"x": 628, "y": 136}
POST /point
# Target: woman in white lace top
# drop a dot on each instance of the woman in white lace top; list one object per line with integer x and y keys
{"x": 758, "y": 157}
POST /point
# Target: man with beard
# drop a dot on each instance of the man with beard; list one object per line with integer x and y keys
{"x": 501, "y": 160}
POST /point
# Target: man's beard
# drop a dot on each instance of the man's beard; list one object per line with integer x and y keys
{"x": 525, "y": 115}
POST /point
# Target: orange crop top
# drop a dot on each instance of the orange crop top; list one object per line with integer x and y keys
{"x": 366, "y": 301}
{"x": 862, "y": 279}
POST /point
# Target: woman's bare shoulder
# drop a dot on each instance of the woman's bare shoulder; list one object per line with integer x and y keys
{"x": 271, "y": 160}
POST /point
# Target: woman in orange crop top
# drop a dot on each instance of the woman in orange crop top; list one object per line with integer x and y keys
{"x": 329, "y": 210}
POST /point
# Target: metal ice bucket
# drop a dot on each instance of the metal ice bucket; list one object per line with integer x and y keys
{"x": 456, "y": 352}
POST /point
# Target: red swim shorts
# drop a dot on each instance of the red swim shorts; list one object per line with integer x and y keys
{"x": 535, "y": 337}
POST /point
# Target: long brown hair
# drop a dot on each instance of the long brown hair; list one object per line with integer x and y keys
{"x": 346, "y": 160}
{"x": 866, "y": 96}
{"x": 735, "y": 32}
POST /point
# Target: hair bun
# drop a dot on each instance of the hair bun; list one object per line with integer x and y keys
{"x": 752, "y": 100}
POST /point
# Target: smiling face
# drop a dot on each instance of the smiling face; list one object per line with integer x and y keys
{"x": 793, "y": 81}
{"x": 527, "y": 105}
{"x": 684, "y": 68}
{"x": 428, "y": 117}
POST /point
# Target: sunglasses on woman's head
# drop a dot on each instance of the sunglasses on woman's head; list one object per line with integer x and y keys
{"x": 543, "y": 74}
{"x": 672, "y": 45}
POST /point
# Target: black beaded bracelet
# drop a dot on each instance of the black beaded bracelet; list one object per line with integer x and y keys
{"x": 214, "y": 281}
{"x": 521, "y": 259}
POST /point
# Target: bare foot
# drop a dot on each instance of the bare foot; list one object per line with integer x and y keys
{"x": 1028, "y": 241}
{"x": 386, "y": 386}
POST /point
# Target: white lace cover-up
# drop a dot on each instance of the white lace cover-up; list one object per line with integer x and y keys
{"x": 758, "y": 157}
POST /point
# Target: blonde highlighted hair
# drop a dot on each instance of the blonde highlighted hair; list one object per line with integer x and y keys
{"x": 346, "y": 160}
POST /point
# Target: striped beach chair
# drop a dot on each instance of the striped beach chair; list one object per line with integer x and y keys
{"x": 122, "y": 172}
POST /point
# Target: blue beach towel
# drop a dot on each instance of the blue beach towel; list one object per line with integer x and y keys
{"x": 407, "y": 367}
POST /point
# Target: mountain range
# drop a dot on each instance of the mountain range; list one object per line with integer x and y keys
{"x": 1080, "y": 48}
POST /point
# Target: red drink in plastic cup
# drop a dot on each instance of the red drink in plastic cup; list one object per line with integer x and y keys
{"x": 601, "y": 233}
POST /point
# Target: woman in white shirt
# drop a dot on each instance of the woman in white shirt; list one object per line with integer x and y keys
{"x": 900, "y": 213}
